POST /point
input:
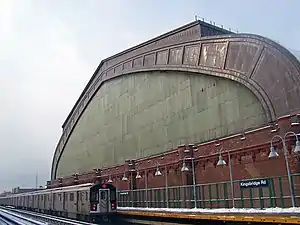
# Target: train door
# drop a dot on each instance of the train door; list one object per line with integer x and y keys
{"x": 73, "y": 202}
{"x": 79, "y": 200}
{"x": 53, "y": 202}
{"x": 104, "y": 200}
{"x": 65, "y": 201}
{"x": 44, "y": 202}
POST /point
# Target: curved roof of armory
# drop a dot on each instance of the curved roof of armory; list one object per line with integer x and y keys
{"x": 268, "y": 69}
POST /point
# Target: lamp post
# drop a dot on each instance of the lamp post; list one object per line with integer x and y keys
{"x": 184, "y": 169}
{"x": 138, "y": 176}
{"x": 157, "y": 172}
{"x": 221, "y": 162}
{"x": 274, "y": 154}
{"x": 131, "y": 187}
{"x": 166, "y": 179}
{"x": 146, "y": 187}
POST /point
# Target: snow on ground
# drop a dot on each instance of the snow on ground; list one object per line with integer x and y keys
{"x": 220, "y": 210}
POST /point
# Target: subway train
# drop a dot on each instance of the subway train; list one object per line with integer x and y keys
{"x": 87, "y": 202}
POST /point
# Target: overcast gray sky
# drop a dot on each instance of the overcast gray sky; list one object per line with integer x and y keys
{"x": 49, "y": 50}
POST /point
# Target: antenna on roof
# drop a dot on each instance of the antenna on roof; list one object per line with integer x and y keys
{"x": 198, "y": 18}
{"x": 215, "y": 24}
{"x": 36, "y": 180}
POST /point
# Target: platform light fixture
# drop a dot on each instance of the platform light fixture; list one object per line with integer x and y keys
{"x": 157, "y": 172}
{"x": 221, "y": 161}
{"x": 274, "y": 154}
{"x": 109, "y": 180}
{"x": 138, "y": 176}
{"x": 184, "y": 168}
{"x": 124, "y": 178}
{"x": 297, "y": 147}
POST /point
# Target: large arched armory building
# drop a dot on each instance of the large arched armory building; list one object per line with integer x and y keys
{"x": 192, "y": 85}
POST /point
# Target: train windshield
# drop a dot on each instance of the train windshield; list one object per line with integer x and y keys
{"x": 94, "y": 196}
{"x": 94, "y": 192}
{"x": 113, "y": 195}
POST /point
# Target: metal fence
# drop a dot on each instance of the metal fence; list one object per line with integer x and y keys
{"x": 275, "y": 193}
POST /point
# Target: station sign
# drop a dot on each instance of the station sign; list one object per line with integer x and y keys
{"x": 254, "y": 183}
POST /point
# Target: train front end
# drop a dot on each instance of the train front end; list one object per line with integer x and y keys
{"x": 103, "y": 203}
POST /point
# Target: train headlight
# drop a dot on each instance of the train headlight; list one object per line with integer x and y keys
{"x": 94, "y": 207}
{"x": 113, "y": 205}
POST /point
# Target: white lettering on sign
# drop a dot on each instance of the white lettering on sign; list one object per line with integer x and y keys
{"x": 254, "y": 183}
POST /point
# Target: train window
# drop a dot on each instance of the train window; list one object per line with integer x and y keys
{"x": 113, "y": 195}
{"x": 71, "y": 196}
{"x": 59, "y": 197}
{"x": 86, "y": 196}
{"x": 94, "y": 196}
{"x": 103, "y": 196}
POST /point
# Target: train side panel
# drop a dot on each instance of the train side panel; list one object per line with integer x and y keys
{"x": 83, "y": 202}
{"x": 71, "y": 201}
{"x": 43, "y": 202}
{"x": 58, "y": 206}
{"x": 35, "y": 202}
{"x": 65, "y": 203}
{"x": 30, "y": 203}
{"x": 3, "y": 201}
{"x": 86, "y": 203}
{"x": 72, "y": 204}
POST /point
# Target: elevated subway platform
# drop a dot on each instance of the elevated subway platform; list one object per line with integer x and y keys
{"x": 192, "y": 216}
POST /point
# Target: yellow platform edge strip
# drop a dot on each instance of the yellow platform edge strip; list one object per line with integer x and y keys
{"x": 237, "y": 218}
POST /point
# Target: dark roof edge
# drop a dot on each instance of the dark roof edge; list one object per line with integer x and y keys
{"x": 124, "y": 52}
{"x": 83, "y": 92}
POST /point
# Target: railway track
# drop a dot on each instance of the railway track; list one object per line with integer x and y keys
{"x": 11, "y": 218}
{"x": 22, "y": 217}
